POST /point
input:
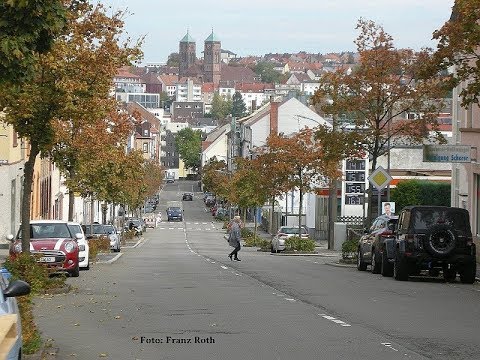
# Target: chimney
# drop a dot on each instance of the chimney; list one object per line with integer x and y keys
{"x": 273, "y": 117}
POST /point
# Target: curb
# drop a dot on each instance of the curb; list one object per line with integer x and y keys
{"x": 134, "y": 245}
{"x": 111, "y": 260}
{"x": 341, "y": 265}
{"x": 321, "y": 255}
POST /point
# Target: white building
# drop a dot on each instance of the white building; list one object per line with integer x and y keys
{"x": 188, "y": 91}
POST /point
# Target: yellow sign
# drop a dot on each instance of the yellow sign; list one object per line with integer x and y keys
{"x": 380, "y": 178}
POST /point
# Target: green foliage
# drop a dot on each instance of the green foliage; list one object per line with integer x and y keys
{"x": 27, "y": 28}
{"x": 296, "y": 243}
{"x": 189, "y": 145}
{"x": 420, "y": 192}
{"x": 220, "y": 107}
{"x": 173, "y": 59}
{"x": 268, "y": 73}
{"x": 238, "y": 105}
{"x": 349, "y": 248}
{"x": 245, "y": 233}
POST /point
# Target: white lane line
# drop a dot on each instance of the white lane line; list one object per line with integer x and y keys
{"x": 389, "y": 345}
{"x": 290, "y": 299}
{"x": 335, "y": 320}
{"x": 224, "y": 267}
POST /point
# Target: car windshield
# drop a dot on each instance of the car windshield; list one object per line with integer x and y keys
{"x": 97, "y": 229}
{"x": 424, "y": 219}
{"x": 109, "y": 229}
{"x": 75, "y": 229}
{"x": 173, "y": 209}
{"x": 291, "y": 230}
{"x": 48, "y": 230}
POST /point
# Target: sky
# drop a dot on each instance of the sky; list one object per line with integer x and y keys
{"x": 248, "y": 27}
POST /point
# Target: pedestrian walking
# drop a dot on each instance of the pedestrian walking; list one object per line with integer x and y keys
{"x": 234, "y": 238}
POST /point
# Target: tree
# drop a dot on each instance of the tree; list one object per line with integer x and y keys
{"x": 215, "y": 177}
{"x": 459, "y": 41}
{"x": 220, "y": 107}
{"x": 189, "y": 146}
{"x": 267, "y": 72}
{"x": 89, "y": 121}
{"x": 294, "y": 162}
{"x": 27, "y": 28}
{"x": 238, "y": 105}
{"x": 173, "y": 59}
{"x": 56, "y": 93}
{"x": 383, "y": 86}
{"x": 248, "y": 186}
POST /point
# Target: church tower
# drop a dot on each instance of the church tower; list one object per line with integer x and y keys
{"x": 211, "y": 60}
{"x": 187, "y": 53}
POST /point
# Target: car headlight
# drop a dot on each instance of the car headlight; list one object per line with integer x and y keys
{"x": 69, "y": 247}
{"x": 18, "y": 248}
{"x": 81, "y": 247}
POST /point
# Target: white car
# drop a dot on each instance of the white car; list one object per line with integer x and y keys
{"x": 83, "y": 248}
{"x": 285, "y": 232}
{"x": 113, "y": 236}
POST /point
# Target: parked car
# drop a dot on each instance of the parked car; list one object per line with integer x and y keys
{"x": 174, "y": 213}
{"x": 54, "y": 243}
{"x": 371, "y": 243}
{"x": 114, "y": 237}
{"x": 83, "y": 248}
{"x": 433, "y": 238}
{"x": 210, "y": 200}
{"x": 170, "y": 180}
{"x": 285, "y": 232}
{"x": 188, "y": 196}
{"x": 8, "y": 306}
{"x": 134, "y": 224}
{"x": 94, "y": 231}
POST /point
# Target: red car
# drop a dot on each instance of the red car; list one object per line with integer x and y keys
{"x": 54, "y": 243}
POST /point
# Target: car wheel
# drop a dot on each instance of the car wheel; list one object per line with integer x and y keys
{"x": 468, "y": 273}
{"x": 387, "y": 267}
{"x": 75, "y": 272}
{"x": 88, "y": 266}
{"x": 361, "y": 265}
{"x": 375, "y": 264}
{"x": 400, "y": 268}
{"x": 272, "y": 250}
{"x": 449, "y": 275}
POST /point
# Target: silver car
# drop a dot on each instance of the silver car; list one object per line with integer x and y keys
{"x": 8, "y": 307}
{"x": 113, "y": 236}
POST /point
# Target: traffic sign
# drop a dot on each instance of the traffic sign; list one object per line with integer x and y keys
{"x": 380, "y": 178}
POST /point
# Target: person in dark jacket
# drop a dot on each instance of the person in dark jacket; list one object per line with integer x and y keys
{"x": 234, "y": 238}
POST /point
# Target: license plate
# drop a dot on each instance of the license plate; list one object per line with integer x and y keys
{"x": 47, "y": 259}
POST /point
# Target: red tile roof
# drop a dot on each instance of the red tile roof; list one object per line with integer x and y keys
{"x": 168, "y": 80}
{"x": 208, "y": 88}
{"x": 253, "y": 87}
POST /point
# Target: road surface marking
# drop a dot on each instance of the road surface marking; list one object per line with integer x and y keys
{"x": 224, "y": 267}
{"x": 389, "y": 345}
{"x": 290, "y": 299}
{"x": 335, "y": 320}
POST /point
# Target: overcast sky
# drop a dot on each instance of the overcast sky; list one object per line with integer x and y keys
{"x": 249, "y": 27}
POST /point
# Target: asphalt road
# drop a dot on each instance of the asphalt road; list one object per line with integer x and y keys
{"x": 178, "y": 296}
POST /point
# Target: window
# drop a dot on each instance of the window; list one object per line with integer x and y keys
{"x": 145, "y": 147}
{"x": 145, "y": 132}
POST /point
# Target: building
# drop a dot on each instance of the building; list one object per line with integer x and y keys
{"x": 187, "y": 53}
{"x": 212, "y": 59}
{"x": 13, "y": 155}
{"x": 188, "y": 90}
{"x": 187, "y": 111}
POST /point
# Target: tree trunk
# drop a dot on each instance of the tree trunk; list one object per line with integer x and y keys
{"x": 71, "y": 198}
{"x": 370, "y": 195}
{"x": 271, "y": 215}
{"x": 27, "y": 195}
{"x": 300, "y": 205}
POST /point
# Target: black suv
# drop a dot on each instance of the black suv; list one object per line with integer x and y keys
{"x": 432, "y": 238}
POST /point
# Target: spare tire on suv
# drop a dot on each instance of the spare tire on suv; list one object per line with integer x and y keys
{"x": 440, "y": 240}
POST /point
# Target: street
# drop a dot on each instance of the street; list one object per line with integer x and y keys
{"x": 178, "y": 296}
